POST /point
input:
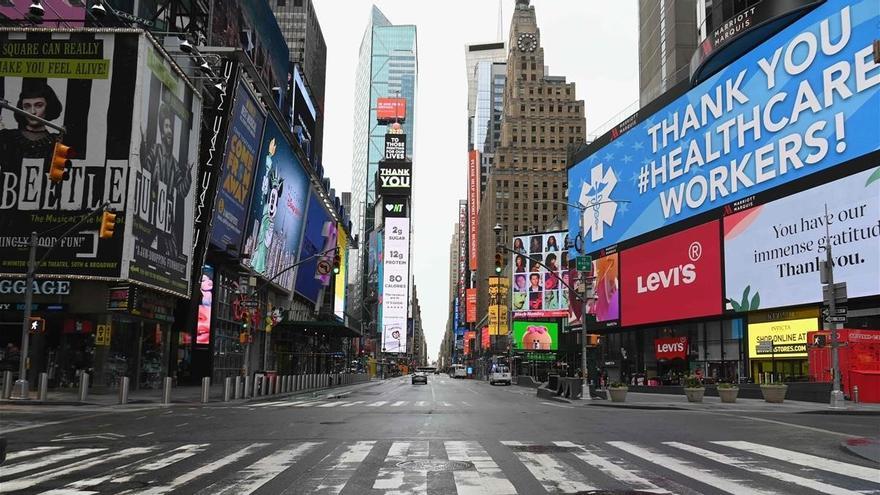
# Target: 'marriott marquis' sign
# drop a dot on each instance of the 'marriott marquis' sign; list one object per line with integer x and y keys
{"x": 805, "y": 100}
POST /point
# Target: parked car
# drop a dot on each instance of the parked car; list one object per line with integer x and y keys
{"x": 500, "y": 374}
{"x": 419, "y": 377}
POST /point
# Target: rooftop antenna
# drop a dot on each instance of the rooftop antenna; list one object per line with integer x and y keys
{"x": 500, "y": 15}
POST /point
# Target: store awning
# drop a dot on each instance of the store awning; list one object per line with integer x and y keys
{"x": 330, "y": 328}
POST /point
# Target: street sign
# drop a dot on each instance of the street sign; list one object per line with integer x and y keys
{"x": 324, "y": 267}
{"x": 249, "y": 303}
{"x": 839, "y": 292}
{"x": 584, "y": 263}
{"x": 102, "y": 335}
{"x": 835, "y": 319}
{"x": 838, "y": 311}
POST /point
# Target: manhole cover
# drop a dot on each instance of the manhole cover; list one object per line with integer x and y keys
{"x": 435, "y": 465}
{"x": 542, "y": 449}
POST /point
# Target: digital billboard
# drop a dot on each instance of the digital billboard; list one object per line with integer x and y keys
{"x": 470, "y": 341}
{"x": 395, "y": 147}
{"x": 772, "y": 252}
{"x": 805, "y": 100}
{"x": 672, "y": 278}
{"x": 390, "y": 110}
{"x": 538, "y": 262}
{"x": 239, "y": 164}
{"x": 394, "y": 178}
{"x": 499, "y": 294}
{"x": 206, "y": 289}
{"x": 277, "y": 212}
{"x": 319, "y": 236}
{"x": 471, "y": 306}
{"x": 162, "y": 178}
{"x": 73, "y": 91}
{"x": 395, "y": 284}
{"x": 606, "y": 306}
{"x": 56, "y": 13}
{"x": 789, "y": 338}
{"x": 535, "y": 335}
{"x": 473, "y": 199}
{"x": 341, "y": 277}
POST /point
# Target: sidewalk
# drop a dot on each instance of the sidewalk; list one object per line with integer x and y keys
{"x": 714, "y": 404}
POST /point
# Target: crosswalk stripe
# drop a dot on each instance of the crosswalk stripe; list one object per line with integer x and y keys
{"x": 27, "y": 453}
{"x": 332, "y": 404}
{"x": 807, "y": 460}
{"x": 309, "y": 404}
{"x": 628, "y": 476}
{"x": 421, "y": 403}
{"x": 398, "y": 481}
{"x": 41, "y": 477}
{"x": 754, "y": 467}
{"x": 378, "y": 403}
{"x": 487, "y": 479}
{"x": 353, "y": 403}
{"x": 251, "y": 478}
{"x": 398, "y": 403}
{"x": 198, "y": 472}
{"x": 554, "y": 474}
{"x": 446, "y": 404}
{"x": 269, "y": 404}
{"x": 290, "y": 403}
{"x": 687, "y": 469}
{"x": 332, "y": 478}
{"x": 46, "y": 461}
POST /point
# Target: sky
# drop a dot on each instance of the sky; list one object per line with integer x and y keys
{"x": 594, "y": 43}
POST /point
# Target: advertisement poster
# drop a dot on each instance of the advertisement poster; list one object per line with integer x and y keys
{"x": 537, "y": 271}
{"x": 462, "y": 255}
{"x": 277, "y": 211}
{"x": 535, "y": 335}
{"x": 340, "y": 282}
{"x": 473, "y": 199}
{"x": 395, "y": 284}
{"x": 805, "y": 100}
{"x": 670, "y": 348}
{"x": 92, "y": 95}
{"x": 239, "y": 164}
{"x": 56, "y": 13}
{"x": 606, "y": 306}
{"x": 470, "y": 341}
{"x": 471, "y": 305}
{"x": 391, "y": 109}
{"x": 499, "y": 294}
{"x": 162, "y": 177}
{"x": 789, "y": 338}
{"x": 315, "y": 269}
{"x": 206, "y": 287}
{"x": 772, "y": 252}
{"x": 672, "y": 278}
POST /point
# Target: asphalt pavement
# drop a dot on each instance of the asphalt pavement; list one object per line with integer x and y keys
{"x": 446, "y": 437}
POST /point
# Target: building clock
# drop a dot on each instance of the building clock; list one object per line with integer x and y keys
{"x": 527, "y": 42}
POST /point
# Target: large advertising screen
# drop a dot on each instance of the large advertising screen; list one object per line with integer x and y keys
{"x": 390, "y": 109}
{"x": 239, "y": 162}
{"x": 789, "y": 338}
{"x": 319, "y": 236}
{"x": 395, "y": 284}
{"x": 56, "y": 13}
{"x": 161, "y": 182}
{"x": 91, "y": 93}
{"x": 340, "y": 282}
{"x": 535, "y": 335}
{"x": 473, "y": 199}
{"x": 805, "y": 100}
{"x": 772, "y": 252}
{"x": 538, "y": 268}
{"x": 672, "y": 278}
{"x": 277, "y": 212}
{"x": 606, "y": 306}
{"x": 206, "y": 303}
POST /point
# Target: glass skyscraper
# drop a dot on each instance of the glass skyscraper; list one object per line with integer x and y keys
{"x": 387, "y": 67}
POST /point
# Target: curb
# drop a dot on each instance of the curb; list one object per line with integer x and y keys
{"x": 866, "y": 448}
{"x": 842, "y": 412}
{"x": 637, "y": 406}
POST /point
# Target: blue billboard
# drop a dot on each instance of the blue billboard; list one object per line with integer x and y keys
{"x": 237, "y": 178}
{"x": 281, "y": 189}
{"x": 805, "y": 100}
{"x": 319, "y": 237}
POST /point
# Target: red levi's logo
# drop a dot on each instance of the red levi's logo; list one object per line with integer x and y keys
{"x": 671, "y": 348}
{"x": 672, "y": 278}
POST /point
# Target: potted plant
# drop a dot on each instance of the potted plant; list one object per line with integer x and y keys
{"x": 728, "y": 392}
{"x": 774, "y": 392}
{"x": 617, "y": 390}
{"x": 693, "y": 389}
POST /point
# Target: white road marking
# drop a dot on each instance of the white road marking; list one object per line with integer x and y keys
{"x": 398, "y": 403}
{"x": 127, "y": 472}
{"x": 630, "y": 477}
{"x": 755, "y": 467}
{"x": 331, "y": 478}
{"x": 274, "y": 403}
{"x": 26, "y": 453}
{"x": 332, "y": 404}
{"x": 421, "y": 403}
{"x": 309, "y": 404}
{"x": 486, "y": 479}
{"x": 353, "y": 403}
{"x": 249, "y": 479}
{"x": 46, "y": 461}
{"x": 198, "y": 472}
{"x": 41, "y": 477}
{"x": 687, "y": 469}
{"x": 290, "y": 403}
{"x": 31, "y": 427}
{"x": 446, "y": 404}
{"x": 393, "y": 480}
{"x": 554, "y": 475}
{"x": 378, "y": 403}
{"x": 146, "y": 434}
{"x": 808, "y": 461}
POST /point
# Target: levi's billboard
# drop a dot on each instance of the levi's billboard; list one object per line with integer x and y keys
{"x": 676, "y": 277}
{"x": 805, "y": 100}
{"x": 671, "y": 348}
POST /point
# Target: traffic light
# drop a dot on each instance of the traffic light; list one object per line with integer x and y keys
{"x": 60, "y": 162}
{"x": 499, "y": 263}
{"x": 37, "y": 325}
{"x": 337, "y": 260}
{"x": 108, "y": 224}
{"x": 592, "y": 340}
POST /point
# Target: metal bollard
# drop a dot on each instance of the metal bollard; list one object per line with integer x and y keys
{"x": 285, "y": 385}
{"x": 83, "y": 386}
{"x": 855, "y": 394}
{"x": 278, "y": 382}
{"x": 248, "y": 387}
{"x": 206, "y": 389}
{"x": 7, "y": 384}
{"x": 258, "y": 385}
{"x": 270, "y": 389}
{"x": 237, "y": 394}
{"x": 123, "y": 389}
{"x": 227, "y": 389}
{"x": 166, "y": 391}
{"x": 44, "y": 386}
{"x": 297, "y": 382}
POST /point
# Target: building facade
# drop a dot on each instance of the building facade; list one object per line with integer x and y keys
{"x": 667, "y": 40}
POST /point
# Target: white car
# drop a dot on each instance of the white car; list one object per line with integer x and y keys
{"x": 500, "y": 375}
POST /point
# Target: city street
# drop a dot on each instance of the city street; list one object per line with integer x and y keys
{"x": 451, "y": 436}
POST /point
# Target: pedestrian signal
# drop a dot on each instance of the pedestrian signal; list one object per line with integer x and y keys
{"x": 592, "y": 340}
{"x": 108, "y": 225}
{"x": 60, "y": 162}
{"x": 37, "y": 325}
